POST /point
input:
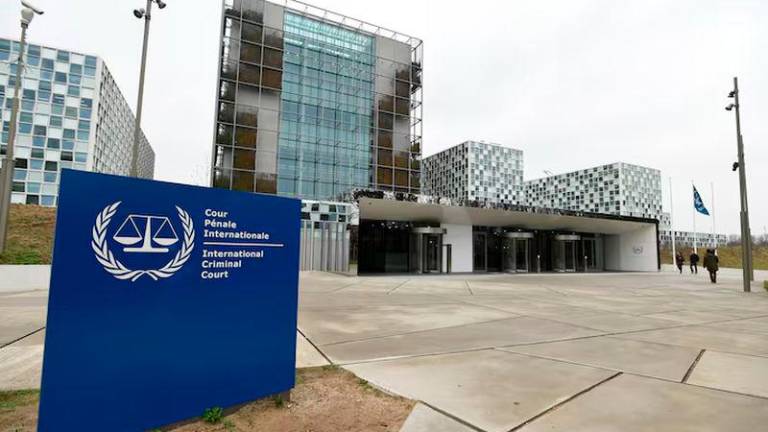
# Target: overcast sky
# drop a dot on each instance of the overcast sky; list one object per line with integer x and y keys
{"x": 572, "y": 83}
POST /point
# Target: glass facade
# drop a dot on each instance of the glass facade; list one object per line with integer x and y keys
{"x": 325, "y": 127}
{"x": 476, "y": 172}
{"x": 60, "y": 120}
{"x": 620, "y": 189}
{"x": 312, "y": 104}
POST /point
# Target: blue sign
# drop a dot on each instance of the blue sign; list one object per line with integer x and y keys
{"x": 165, "y": 300}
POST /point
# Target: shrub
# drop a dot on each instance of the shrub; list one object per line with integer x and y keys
{"x": 213, "y": 415}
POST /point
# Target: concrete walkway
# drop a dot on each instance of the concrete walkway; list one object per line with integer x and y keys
{"x": 575, "y": 352}
{"x": 630, "y": 352}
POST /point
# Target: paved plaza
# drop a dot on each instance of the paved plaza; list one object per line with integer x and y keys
{"x": 497, "y": 352}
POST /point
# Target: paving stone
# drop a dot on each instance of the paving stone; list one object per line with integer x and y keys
{"x": 644, "y": 358}
{"x": 631, "y": 403}
{"x": 425, "y": 419}
{"x": 515, "y": 331}
{"x": 492, "y": 390}
{"x": 706, "y": 337}
{"x": 732, "y": 372}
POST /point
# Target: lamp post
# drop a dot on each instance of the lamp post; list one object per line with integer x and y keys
{"x": 146, "y": 14}
{"x": 746, "y": 233}
{"x": 27, "y": 13}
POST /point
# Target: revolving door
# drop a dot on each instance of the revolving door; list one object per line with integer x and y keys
{"x": 516, "y": 252}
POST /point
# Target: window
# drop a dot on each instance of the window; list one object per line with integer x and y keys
{"x": 252, "y": 32}
{"x": 224, "y": 134}
{"x": 249, "y": 74}
{"x": 245, "y": 137}
{"x": 273, "y": 58}
{"x": 272, "y": 78}
{"x": 250, "y": 53}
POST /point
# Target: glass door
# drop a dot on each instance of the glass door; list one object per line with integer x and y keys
{"x": 590, "y": 255}
{"x": 479, "y": 251}
{"x": 569, "y": 255}
{"x": 508, "y": 255}
{"x": 521, "y": 255}
{"x": 432, "y": 253}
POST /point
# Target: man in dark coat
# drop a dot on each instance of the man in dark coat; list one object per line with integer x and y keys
{"x": 694, "y": 260}
{"x": 712, "y": 264}
{"x": 679, "y": 260}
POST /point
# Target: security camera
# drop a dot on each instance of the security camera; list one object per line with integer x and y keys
{"x": 735, "y": 166}
{"x": 729, "y": 107}
{"x": 161, "y": 4}
{"x": 32, "y": 8}
{"x": 139, "y": 13}
{"x": 732, "y": 94}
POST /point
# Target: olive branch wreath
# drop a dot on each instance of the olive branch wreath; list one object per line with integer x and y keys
{"x": 120, "y": 271}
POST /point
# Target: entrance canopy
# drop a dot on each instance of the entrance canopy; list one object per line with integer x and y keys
{"x": 555, "y": 220}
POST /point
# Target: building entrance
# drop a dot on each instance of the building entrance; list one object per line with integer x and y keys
{"x": 431, "y": 255}
{"x": 479, "y": 253}
{"x": 427, "y": 247}
{"x": 590, "y": 254}
{"x": 565, "y": 252}
{"x": 516, "y": 252}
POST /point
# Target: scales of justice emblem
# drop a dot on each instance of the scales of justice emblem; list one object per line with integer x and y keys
{"x": 131, "y": 233}
{"x": 146, "y": 234}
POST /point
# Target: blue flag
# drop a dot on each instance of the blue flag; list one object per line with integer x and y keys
{"x": 698, "y": 204}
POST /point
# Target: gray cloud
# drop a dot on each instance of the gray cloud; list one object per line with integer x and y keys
{"x": 572, "y": 83}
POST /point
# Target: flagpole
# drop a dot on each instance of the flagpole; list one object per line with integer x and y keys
{"x": 671, "y": 225}
{"x": 695, "y": 239}
{"x": 714, "y": 236}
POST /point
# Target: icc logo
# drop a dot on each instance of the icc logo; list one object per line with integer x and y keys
{"x": 142, "y": 234}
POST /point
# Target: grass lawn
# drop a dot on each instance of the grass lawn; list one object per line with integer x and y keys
{"x": 326, "y": 399}
{"x": 730, "y": 256}
{"x": 30, "y": 235}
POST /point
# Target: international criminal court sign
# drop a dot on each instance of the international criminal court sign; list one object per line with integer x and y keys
{"x": 166, "y": 300}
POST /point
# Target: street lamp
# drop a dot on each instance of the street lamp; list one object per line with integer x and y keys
{"x": 746, "y": 233}
{"x": 28, "y": 12}
{"x": 146, "y": 14}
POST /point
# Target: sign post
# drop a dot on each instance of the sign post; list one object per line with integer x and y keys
{"x": 166, "y": 300}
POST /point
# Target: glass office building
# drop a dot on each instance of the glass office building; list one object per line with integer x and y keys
{"x": 476, "y": 172}
{"x": 312, "y": 104}
{"x": 72, "y": 115}
{"x": 618, "y": 189}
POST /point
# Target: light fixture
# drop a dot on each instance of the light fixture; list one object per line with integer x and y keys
{"x": 139, "y": 13}
{"x": 28, "y": 13}
{"x": 729, "y": 107}
{"x": 161, "y": 4}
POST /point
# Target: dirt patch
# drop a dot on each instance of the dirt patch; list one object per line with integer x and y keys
{"x": 30, "y": 235}
{"x": 18, "y": 410}
{"x": 325, "y": 399}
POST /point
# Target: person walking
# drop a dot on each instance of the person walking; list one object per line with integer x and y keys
{"x": 694, "y": 260}
{"x": 679, "y": 260}
{"x": 712, "y": 264}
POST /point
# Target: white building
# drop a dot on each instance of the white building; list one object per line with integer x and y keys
{"x": 688, "y": 238}
{"x": 475, "y": 171}
{"x": 72, "y": 115}
{"x": 619, "y": 189}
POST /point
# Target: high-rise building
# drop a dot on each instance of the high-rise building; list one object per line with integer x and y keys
{"x": 476, "y": 171}
{"x": 72, "y": 115}
{"x": 311, "y": 103}
{"x": 620, "y": 189}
